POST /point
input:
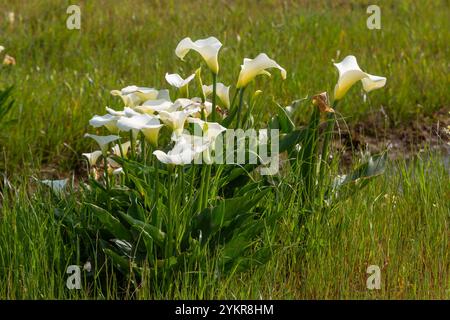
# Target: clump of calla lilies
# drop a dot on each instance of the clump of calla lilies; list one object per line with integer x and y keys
{"x": 158, "y": 199}
{"x": 137, "y": 128}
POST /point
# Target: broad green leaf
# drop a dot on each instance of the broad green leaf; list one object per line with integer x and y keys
{"x": 156, "y": 234}
{"x": 346, "y": 185}
{"x": 285, "y": 123}
{"x": 211, "y": 220}
{"x": 110, "y": 223}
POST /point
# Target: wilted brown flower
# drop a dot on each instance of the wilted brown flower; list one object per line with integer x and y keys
{"x": 321, "y": 100}
{"x": 8, "y": 60}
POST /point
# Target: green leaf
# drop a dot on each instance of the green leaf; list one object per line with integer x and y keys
{"x": 288, "y": 141}
{"x": 285, "y": 123}
{"x": 120, "y": 262}
{"x": 211, "y": 220}
{"x": 228, "y": 120}
{"x": 346, "y": 185}
{"x": 110, "y": 223}
{"x": 156, "y": 234}
{"x": 5, "y": 106}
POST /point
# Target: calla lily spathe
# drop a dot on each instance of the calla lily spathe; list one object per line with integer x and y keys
{"x": 350, "y": 73}
{"x": 133, "y": 95}
{"x": 210, "y": 130}
{"x": 122, "y": 149}
{"x": 92, "y": 157}
{"x": 148, "y": 125}
{"x": 102, "y": 141}
{"x": 175, "y": 120}
{"x": 208, "y": 48}
{"x": 175, "y": 80}
{"x": 253, "y": 67}
{"x": 56, "y": 185}
{"x": 183, "y": 152}
{"x": 152, "y": 106}
{"x": 222, "y": 91}
{"x": 108, "y": 120}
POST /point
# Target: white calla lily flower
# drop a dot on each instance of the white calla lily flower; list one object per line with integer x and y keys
{"x": 129, "y": 112}
{"x": 175, "y": 80}
{"x": 253, "y": 67}
{"x": 133, "y": 96}
{"x": 148, "y": 125}
{"x": 126, "y": 112}
{"x": 102, "y": 141}
{"x": 92, "y": 157}
{"x": 181, "y": 154}
{"x": 107, "y": 120}
{"x": 222, "y": 91}
{"x": 174, "y": 120}
{"x": 114, "y": 112}
{"x": 122, "y": 149}
{"x": 186, "y": 148}
{"x": 151, "y": 132}
{"x": 211, "y": 130}
{"x": 136, "y": 122}
{"x": 152, "y": 106}
{"x": 56, "y": 185}
{"x": 208, "y": 48}
{"x": 195, "y": 107}
{"x": 163, "y": 94}
{"x": 183, "y": 103}
{"x": 350, "y": 73}
{"x": 200, "y": 144}
{"x": 190, "y": 106}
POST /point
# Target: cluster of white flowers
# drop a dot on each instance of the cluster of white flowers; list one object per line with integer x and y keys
{"x": 147, "y": 110}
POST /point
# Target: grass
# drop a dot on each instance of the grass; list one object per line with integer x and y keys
{"x": 62, "y": 77}
{"x": 400, "y": 223}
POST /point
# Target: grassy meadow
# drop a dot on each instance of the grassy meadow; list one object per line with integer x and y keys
{"x": 62, "y": 77}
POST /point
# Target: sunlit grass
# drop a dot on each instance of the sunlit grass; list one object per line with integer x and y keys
{"x": 62, "y": 76}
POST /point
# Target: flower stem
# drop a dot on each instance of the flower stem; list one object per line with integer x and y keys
{"x": 207, "y": 180}
{"x": 326, "y": 143}
{"x": 105, "y": 165}
{"x": 213, "y": 111}
{"x": 155, "y": 212}
{"x": 131, "y": 145}
{"x": 241, "y": 102}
